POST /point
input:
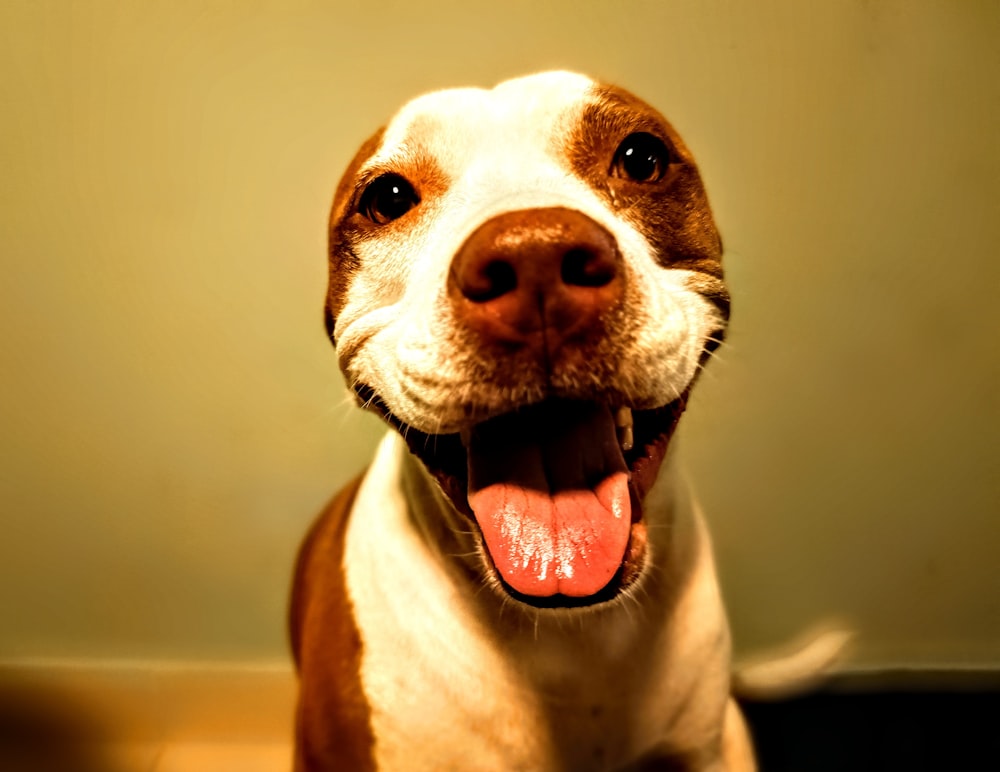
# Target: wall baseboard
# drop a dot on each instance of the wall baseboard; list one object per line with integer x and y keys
{"x": 954, "y": 678}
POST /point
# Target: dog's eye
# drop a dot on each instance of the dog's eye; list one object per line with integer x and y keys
{"x": 387, "y": 198}
{"x": 641, "y": 157}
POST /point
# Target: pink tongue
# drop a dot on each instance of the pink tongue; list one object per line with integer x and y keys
{"x": 549, "y": 489}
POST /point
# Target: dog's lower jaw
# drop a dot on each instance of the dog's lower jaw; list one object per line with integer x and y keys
{"x": 519, "y": 687}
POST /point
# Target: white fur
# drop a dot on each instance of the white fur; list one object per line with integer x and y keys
{"x": 454, "y": 687}
{"x": 452, "y": 684}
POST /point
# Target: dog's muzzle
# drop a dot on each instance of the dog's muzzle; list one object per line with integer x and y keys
{"x": 548, "y": 485}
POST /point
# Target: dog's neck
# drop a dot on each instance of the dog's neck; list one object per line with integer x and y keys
{"x": 623, "y": 669}
{"x": 450, "y": 540}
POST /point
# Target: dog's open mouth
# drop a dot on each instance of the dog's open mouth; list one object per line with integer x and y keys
{"x": 556, "y": 491}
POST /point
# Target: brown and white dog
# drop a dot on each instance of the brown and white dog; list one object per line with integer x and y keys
{"x": 525, "y": 283}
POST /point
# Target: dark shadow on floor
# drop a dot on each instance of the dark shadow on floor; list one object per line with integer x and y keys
{"x": 878, "y": 732}
{"x": 46, "y": 732}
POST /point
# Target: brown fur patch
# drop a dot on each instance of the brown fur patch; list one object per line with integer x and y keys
{"x": 343, "y": 261}
{"x": 348, "y": 226}
{"x": 333, "y": 720}
{"x": 673, "y": 212}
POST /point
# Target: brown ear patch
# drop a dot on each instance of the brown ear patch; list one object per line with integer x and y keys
{"x": 672, "y": 212}
{"x": 343, "y": 261}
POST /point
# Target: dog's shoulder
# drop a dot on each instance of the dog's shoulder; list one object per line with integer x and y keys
{"x": 334, "y": 726}
{"x": 320, "y": 558}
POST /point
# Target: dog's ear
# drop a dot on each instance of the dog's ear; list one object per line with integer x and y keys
{"x": 343, "y": 262}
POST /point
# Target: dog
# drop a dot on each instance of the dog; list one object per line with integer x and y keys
{"x": 525, "y": 283}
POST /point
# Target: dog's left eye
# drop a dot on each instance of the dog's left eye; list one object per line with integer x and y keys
{"x": 387, "y": 198}
{"x": 641, "y": 157}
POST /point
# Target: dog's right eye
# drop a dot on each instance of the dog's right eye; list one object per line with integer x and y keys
{"x": 387, "y": 198}
{"x": 641, "y": 157}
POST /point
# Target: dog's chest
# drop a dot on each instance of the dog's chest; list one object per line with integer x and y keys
{"x": 448, "y": 690}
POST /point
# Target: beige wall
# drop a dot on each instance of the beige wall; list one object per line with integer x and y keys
{"x": 171, "y": 413}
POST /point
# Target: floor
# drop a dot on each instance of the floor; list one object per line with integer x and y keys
{"x": 131, "y": 757}
{"x": 238, "y": 719}
{"x": 882, "y": 732}
{"x": 145, "y": 717}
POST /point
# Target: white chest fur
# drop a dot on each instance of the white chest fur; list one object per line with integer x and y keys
{"x": 456, "y": 680}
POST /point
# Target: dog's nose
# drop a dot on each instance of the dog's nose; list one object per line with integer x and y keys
{"x": 541, "y": 277}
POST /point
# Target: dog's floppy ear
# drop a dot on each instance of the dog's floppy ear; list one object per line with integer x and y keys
{"x": 343, "y": 262}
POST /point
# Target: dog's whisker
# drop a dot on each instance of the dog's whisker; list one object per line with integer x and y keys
{"x": 461, "y": 532}
{"x": 463, "y": 555}
{"x": 713, "y": 356}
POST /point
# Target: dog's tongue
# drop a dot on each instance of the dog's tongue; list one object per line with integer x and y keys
{"x": 549, "y": 489}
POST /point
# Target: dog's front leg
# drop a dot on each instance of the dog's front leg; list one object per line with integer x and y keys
{"x": 737, "y": 751}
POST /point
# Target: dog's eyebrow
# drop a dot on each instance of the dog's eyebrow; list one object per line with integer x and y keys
{"x": 367, "y": 174}
{"x": 416, "y": 165}
{"x": 620, "y": 116}
{"x": 372, "y": 170}
{"x": 395, "y": 164}
{"x": 614, "y": 112}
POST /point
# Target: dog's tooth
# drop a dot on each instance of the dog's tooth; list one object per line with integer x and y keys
{"x": 625, "y": 438}
{"x": 623, "y": 422}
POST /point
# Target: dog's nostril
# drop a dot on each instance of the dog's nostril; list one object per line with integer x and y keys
{"x": 496, "y": 278}
{"x": 585, "y": 268}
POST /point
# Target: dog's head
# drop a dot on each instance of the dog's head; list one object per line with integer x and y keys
{"x": 525, "y": 282}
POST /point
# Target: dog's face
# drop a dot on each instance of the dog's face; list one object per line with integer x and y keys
{"x": 525, "y": 282}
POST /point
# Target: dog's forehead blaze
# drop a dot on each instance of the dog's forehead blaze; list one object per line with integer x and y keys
{"x": 456, "y": 126}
